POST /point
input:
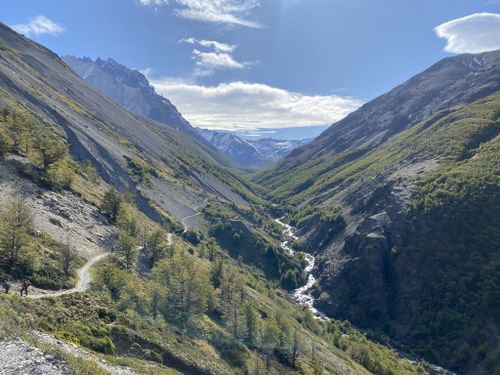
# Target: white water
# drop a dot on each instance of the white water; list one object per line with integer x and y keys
{"x": 303, "y": 294}
{"x": 304, "y": 297}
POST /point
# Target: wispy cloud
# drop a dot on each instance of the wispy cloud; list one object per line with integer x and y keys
{"x": 479, "y": 32}
{"x": 224, "y": 12}
{"x": 218, "y": 46}
{"x": 247, "y": 106}
{"x": 215, "y": 56}
{"x": 39, "y": 25}
{"x": 153, "y": 2}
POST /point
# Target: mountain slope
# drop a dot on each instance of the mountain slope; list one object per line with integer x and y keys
{"x": 450, "y": 83}
{"x": 130, "y": 89}
{"x": 411, "y": 250}
{"x": 167, "y": 170}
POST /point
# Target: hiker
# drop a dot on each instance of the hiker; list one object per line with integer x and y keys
{"x": 6, "y": 286}
{"x": 25, "y": 285}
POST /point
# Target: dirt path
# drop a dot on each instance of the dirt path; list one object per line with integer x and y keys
{"x": 184, "y": 221}
{"x": 83, "y": 284}
{"x": 84, "y": 277}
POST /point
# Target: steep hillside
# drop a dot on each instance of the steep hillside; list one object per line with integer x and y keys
{"x": 167, "y": 170}
{"x": 406, "y": 227}
{"x": 158, "y": 300}
{"x": 448, "y": 84}
{"x": 131, "y": 90}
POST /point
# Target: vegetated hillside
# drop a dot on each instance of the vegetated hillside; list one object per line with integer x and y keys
{"x": 166, "y": 307}
{"x": 450, "y": 83}
{"x": 131, "y": 90}
{"x": 166, "y": 169}
{"x": 418, "y": 256}
{"x": 160, "y": 303}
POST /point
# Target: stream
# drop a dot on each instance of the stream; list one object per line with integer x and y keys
{"x": 304, "y": 297}
{"x": 303, "y": 294}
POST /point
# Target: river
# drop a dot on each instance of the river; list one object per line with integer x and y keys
{"x": 304, "y": 297}
{"x": 303, "y": 294}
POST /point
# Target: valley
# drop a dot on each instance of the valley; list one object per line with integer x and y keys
{"x": 154, "y": 247}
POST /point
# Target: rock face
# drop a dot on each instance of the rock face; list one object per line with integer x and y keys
{"x": 18, "y": 358}
{"x": 130, "y": 89}
{"x": 251, "y": 153}
{"x": 112, "y": 138}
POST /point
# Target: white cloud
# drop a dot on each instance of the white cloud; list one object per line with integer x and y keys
{"x": 153, "y": 2}
{"x": 224, "y": 12}
{"x": 217, "y": 56}
{"x": 38, "y": 26}
{"x": 218, "y": 46}
{"x": 249, "y": 106}
{"x": 479, "y": 32}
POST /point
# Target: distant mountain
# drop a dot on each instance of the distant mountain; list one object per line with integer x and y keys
{"x": 130, "y": 89}
{"x": 251, "y": 153}
{"x": 277, "y": 149}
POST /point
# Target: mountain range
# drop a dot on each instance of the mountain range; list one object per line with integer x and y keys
{"x": 387, "y": 225}
{"x": 251, "y": 153}
{"x": 131, "y": 90}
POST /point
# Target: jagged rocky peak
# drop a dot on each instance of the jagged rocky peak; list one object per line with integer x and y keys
{"x": 130, "y": 89}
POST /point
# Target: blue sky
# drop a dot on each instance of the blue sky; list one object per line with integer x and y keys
{"x": 247, "y": 64}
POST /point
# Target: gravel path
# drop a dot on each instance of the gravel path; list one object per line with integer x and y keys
{"x": 83, "y": 284}
{"x": 18, "y": 358}
{"x": 184, "y": 221}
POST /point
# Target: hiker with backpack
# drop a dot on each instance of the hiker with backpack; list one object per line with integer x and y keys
{"x": 25, "y": 285}
{"x": 6, "y": 286}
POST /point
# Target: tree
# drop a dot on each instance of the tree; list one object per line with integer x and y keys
{"x": 68, "y": 257}
{"x": 127, "y": 248}
{"x": 50, "y": 150}
{"x": 111, "y": 203}
{"x": 295, "y": 348}
{"x": 15, "y": 227}
{"x": 188, "y": 293}
{"x": 283, "y": 331}
{"x": 289, "y": 280}
{"x": 251, "y": 323}
{"x": 90, "y": 172}
{"x": 232, "y": 296}
{"x": 157, "y": 245}
{"x": 217, "y": 272}
{"x": 126, "y": 221}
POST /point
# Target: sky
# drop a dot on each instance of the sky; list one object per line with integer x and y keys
{"x": 250, "y": 65}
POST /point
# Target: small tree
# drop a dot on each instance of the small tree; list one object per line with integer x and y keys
{"x": 111, "y": 203}
{"x": 232, "y": 297}
{"x": 127, "y": 249}
{"x": 68, "y": 257}
{"x": 156, "y": 245}
{"x": 50, "y": 150}
{"x": 15, "y": 226}
{"x": 90, "y": 172}
{"x": 251, "y": 323}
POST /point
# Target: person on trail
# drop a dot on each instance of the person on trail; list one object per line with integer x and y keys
{"x": 6, "y": 286}
{"x": 25, "y": 286}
